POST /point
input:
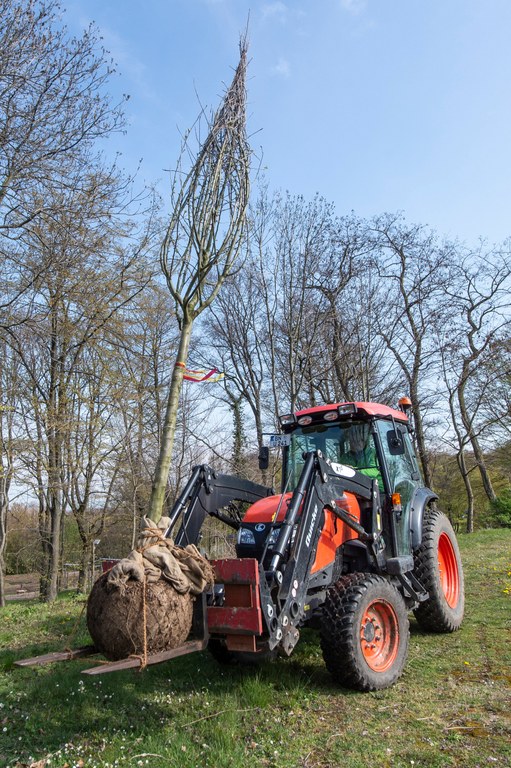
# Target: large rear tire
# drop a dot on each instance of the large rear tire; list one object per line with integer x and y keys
{"x": 438, "y": 567}
{"x": 364, "y": 632}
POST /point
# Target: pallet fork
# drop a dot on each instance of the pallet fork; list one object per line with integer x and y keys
{"x": 197, "y": 641}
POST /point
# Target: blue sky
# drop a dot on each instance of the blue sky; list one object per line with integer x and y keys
{"x": 378, "y": 105}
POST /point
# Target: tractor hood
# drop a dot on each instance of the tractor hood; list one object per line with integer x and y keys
{"x": 263, "y": 511}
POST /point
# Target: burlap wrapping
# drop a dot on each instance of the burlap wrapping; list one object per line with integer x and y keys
{"x": 157, "y": 557}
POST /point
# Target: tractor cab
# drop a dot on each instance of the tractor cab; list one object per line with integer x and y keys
{"x": 367, "y": 438}
{"x": 372, "y": 439}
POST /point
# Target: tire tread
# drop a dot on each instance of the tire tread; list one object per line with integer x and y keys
{"x": 434, "y": 614}
{"x": 339, "y": 634}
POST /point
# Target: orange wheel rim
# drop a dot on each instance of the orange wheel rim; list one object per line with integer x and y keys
{"x": 448, "y": 567}
{"x": 379, "y": 635}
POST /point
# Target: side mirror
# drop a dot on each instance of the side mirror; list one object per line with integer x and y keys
{"x": 264, "y": 457}
{"x": 395, "y": 443}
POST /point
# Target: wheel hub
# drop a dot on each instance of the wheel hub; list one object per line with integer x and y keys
{"x": 369, "y": 631}
{"x": 379, "y": 635}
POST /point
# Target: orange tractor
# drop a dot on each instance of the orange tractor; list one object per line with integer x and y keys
{"x": 353, "y": 542}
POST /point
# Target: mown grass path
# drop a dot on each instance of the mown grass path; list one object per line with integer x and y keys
{"x": 452, "y": 707}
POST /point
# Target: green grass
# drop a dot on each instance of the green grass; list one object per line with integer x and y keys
{"x": 450, "y": 708}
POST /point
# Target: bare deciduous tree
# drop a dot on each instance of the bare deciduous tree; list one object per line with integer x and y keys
{"x": 412, "y": 267}
{"x": 88, "y": 278}
{"x": 475, "y": 353}
{"x": 54, "y": 107}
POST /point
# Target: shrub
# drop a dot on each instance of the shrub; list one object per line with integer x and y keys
{"x": 501, "y": 509}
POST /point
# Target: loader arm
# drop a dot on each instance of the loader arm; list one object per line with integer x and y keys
{"x": 319, "y": 485}
{"x": 210, "y": 493}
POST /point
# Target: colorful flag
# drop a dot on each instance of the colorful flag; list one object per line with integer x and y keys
{"x": 211, "y": 376}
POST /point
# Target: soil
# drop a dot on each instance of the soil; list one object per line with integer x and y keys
{"x": 115, "y": 618}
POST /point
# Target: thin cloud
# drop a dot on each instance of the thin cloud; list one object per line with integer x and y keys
{"x": 127, "y": 62}
{"x": 282, "y": 68}
{"x": 274, "y": 10}
{"x": 353, "y": 6}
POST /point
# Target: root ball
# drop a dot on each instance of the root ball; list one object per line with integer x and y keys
{"x": 115, "y": 617}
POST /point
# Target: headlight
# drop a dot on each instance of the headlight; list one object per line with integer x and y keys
{"x": 246, "y": 536}
{"x": 272, "y": 538}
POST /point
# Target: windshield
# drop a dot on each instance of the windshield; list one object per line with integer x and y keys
{"x": 350, "y": 443}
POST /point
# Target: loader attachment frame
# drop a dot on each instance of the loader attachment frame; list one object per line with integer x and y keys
{"x": 288, "y": 588}
{"x": 320, "y": 484}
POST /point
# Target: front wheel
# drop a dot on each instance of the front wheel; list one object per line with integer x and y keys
{"x": 438, "y": 567}
{"x": 364, "y": 632}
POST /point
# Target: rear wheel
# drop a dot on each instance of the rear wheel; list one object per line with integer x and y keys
{"x": 438, "y": 567}
{"x": 364, "y": 632}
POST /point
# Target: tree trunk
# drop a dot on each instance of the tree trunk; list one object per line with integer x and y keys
{"x": 4, "y": 506}
{"x": 467, "y": 423}
{"x": 85, "y": 566}
{"x": 3, "y": 542}
{"x": 161, "y": 474}
{"x": 419, "y": 435}
{"x": 55, "y": 542}
{"x": 460, "y": 458}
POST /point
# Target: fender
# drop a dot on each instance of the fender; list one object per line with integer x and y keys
{"x": 420, "y": 500}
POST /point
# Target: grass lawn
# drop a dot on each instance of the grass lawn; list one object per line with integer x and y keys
{"x": 452, "y": 707}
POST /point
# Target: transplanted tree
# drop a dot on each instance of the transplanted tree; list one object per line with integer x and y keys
{"x": 203, "y": 239}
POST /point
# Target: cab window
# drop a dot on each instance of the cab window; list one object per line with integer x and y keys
{"x": 350, "y": 443}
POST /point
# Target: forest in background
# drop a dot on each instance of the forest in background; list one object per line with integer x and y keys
{"x": 322, "y": 307}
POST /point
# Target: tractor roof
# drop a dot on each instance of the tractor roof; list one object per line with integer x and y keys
{"x": 363, "y": 409}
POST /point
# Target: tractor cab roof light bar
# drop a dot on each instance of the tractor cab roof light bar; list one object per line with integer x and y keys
{"x": 347, "y": 409}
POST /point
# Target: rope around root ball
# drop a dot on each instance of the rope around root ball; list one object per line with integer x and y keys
{"x": 143, "y": 657}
